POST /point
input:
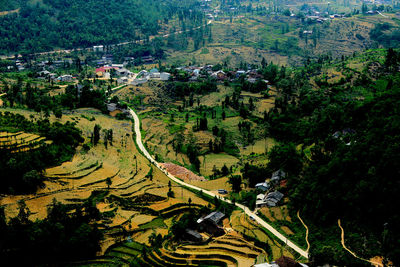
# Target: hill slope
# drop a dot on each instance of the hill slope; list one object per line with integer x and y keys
{"x": 66, "y": 24}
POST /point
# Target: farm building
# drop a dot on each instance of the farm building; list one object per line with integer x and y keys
{"x": 65, "y": 78}
{"x": 277, "y": 176}
{"x": 123, "y": 72}
{"x": 209, "y": 224}
{"x": 263, "y": 186}
{"x": 270, "y": 200}
{"x": 193, "y": 235}
{"x": 273, "y": 198}
{"x": 98, "y": 48}
{"x": 104, "y": 71}
{"x": 164, "y": 76}
{"x": 122, "y": 80}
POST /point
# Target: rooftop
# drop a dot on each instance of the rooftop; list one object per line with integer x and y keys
{"x": 214, "y": 217}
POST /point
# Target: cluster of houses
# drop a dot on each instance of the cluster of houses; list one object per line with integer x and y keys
{"x": 154, "y": 74}
{"x": 197, "y": 73}
{"x": 45, "y": 74}
{"x": 320, "y": 18}
{"x": 108, "y": 59}
{"x": 124, "y": 76}
{"x": 270, "y": 198}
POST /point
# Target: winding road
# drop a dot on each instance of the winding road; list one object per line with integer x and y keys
{"x": 277, "y": 234}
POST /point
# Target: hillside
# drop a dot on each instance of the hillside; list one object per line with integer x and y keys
{"x": 317, "y": 122}
{"x": 6, "y": 5}
{"x": 47, "y": 25}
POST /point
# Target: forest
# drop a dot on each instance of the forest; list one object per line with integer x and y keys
{"x": 351, "y": 172}
{"x": 78, "y": 23}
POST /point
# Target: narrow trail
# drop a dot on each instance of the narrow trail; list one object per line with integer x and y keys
{"x": 382, "y": 14}
{"x": 351, "y": 252}
{"x": 264, "y": 224}
{"x": 305, "y": 226}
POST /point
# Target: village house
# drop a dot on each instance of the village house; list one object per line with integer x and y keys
{"x": 104, "y": 72}
{"x": 165, "y": 76}
{"x": 65, "y": 78}
{"x": 269, "y": 200}
{"x": 139, "y": 81}
{"x": 98, "y": 48}
{"x": 193, "y": 235}
{"x": 155, "y": 75}
{"x": 263, "y": 186}
{"x": 122, "y": 80}
{"x": 278, "y": 176}
{"x": 122, "y": 72}
{"x": 273, "y": 198}
{"x": 209, "y": 224}
{"x": 219, "y": 75}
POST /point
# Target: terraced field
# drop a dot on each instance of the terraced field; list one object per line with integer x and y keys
{"x": 20, "y": 141}
{"x": 243, "y": 224}
{"x": 134, "y": 206}
{"x": 227, "y": 250}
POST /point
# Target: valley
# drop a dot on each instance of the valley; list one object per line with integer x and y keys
{"x": 199, "y": 133}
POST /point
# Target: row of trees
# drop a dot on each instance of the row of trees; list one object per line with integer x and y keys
{"x": 40, "y": 101}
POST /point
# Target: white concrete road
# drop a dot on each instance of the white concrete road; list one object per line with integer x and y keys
{"x": 244, "y": 208}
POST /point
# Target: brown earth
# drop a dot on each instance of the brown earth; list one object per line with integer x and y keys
{"x": 182, "y": 172}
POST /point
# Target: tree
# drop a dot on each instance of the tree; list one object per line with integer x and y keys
{"x": 136, "y": 166}
{"x": 110, "y": 136}
{"x": 286, "y": 157}
{"x": 224, "y": 170}
{"x": 364, "y": 8}
{"x": 236, "y": 182}
{"x": 108, "y": 182}
{"x": 251, "y": 104}
{"x": 96, "y": 134}
{"x": 287, "y": 12}
{"x": 215, "y": 171}
{"x": 105, "y": 139}
{"x": 32, "y": 179}
{"x": 58, "y": 113}
{"x": 23, "y": 212}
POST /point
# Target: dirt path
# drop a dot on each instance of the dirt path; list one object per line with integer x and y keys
{"x": 351, "y": 252}
{"x": 305, "y": 226}
{"x": 3, "y": 13}
{"x": 271, "y": 229}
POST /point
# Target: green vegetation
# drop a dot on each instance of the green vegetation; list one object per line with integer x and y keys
{"x": 55, "y": 24}
{"x": 65, "y": 235}
{"x": 23, "y": 170}
{"x": 352, "y": 165}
